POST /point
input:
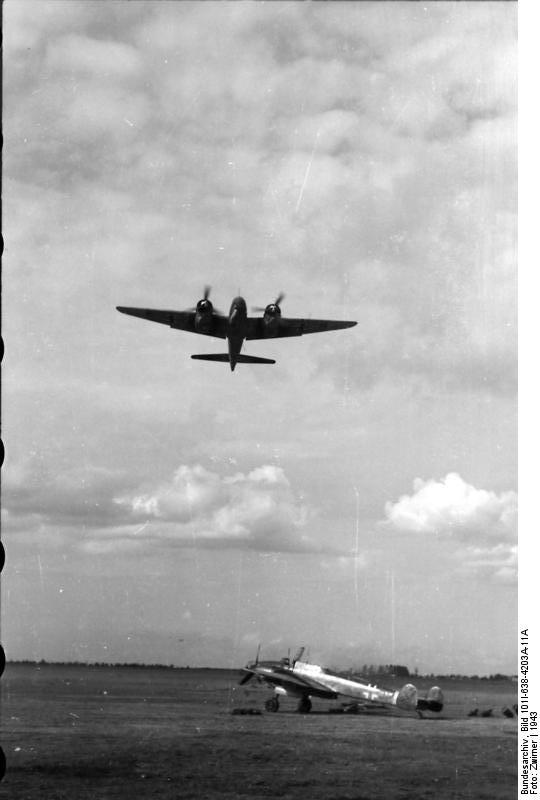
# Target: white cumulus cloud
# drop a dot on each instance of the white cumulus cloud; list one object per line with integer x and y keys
{"x": 257, "y": 510}
{"x": 452, "y": 507}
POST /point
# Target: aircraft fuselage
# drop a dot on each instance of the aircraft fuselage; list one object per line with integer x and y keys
{"x": 236, "y": 328}
{"x": 341, "y": 685}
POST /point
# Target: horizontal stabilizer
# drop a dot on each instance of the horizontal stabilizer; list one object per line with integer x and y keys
{"x": 240, "y": 359}
{"x": 213, "y": 357}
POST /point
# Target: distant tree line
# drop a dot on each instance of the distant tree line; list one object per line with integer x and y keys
{"x": 401, "y": 671}
{"x": 367, "y": 670}
{"x": 130, "y": 665}
{"x": 393, "y": 670}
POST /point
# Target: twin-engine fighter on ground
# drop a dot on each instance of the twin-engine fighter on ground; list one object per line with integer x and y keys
{"x": 303, "y": 680}
{"x": 237, "y": 326}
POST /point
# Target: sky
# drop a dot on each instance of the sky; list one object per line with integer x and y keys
{"x": 359, "y": 497}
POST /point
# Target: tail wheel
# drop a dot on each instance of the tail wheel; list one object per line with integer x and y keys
{"x": 272, "y": 704}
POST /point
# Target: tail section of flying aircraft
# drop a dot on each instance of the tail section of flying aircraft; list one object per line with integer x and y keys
{"x": 239, "y": 359}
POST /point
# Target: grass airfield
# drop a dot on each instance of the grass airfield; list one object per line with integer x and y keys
{"x": 124, "y": 732}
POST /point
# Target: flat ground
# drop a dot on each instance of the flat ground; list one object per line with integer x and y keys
{"x": 102, "y": 732}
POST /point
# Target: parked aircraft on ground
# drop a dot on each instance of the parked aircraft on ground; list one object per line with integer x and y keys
{"x": 237, "y": 326}
{"x": 303, "y": 680}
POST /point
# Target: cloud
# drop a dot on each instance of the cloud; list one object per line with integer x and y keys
{"x": 194, "y": 491}
{"x": 476, "y": 529}
{"x": 78, "y": 496}
{"x": 498, "y": 564}
{"x": 257, "y": 510}
{"x": 75, "y": 54}
{"x": 28, "y": 24}
{"x": 451, "y": 507}
{"x": 91, "y": 508}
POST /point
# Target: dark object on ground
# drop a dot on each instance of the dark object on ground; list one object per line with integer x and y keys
{"x": 473, "y": 713}
{"x": 508, "y": 712}
{"x": 488, "y": 713}
{"x": 246, "y": 711}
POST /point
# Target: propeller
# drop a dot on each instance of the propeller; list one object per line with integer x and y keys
{"x": 277, "y": 302}
{"x": 251, "y": 666}
{"x": 205, "y": 304}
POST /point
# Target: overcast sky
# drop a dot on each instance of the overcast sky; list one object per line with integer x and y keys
{"x": 359, "y": 497}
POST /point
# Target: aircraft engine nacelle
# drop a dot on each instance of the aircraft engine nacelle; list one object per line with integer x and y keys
{"x": 272, "y": 314}
{"x": 204, "y": 316}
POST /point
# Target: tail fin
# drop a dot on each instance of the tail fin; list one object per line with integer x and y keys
{"x": 406, "y": 698}
{"x": 433, "y": 701}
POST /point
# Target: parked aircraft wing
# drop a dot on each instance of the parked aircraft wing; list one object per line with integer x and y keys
{"x": 287, "y": 326}
{"x": 181, "y": 320}
{"x": 294, "y": 684}
{"x": 286, "y": 678}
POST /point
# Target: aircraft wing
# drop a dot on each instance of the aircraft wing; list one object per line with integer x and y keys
{"x": 295, "y": 683}
{"x": 287, "y": 326}
{"x": 181, "y": 320}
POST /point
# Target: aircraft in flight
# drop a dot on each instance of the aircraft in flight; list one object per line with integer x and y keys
{"x": 236, "y": 326}
{"x": 303, "y": 680}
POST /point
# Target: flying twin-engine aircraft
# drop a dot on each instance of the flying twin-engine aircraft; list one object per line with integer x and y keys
{"x": 303, "y": 680}
{"x": 237, "y": 326}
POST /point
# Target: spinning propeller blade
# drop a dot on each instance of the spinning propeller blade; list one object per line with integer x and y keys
{"x": 206, "y": 295}
{"x": 277, "y": 302}
{"x": 250, "y": 674}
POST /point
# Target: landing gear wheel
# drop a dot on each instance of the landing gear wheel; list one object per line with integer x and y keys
{"x": 304, "y": 706}
{"x": 272, "y": 704}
